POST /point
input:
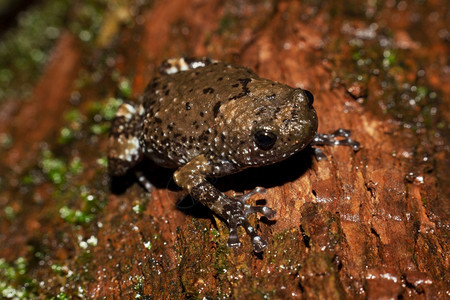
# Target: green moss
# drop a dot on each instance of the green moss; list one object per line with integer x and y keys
{"x": 74, "y": 116}
{"x": 58, "y": 269}
{"x": 9, "y": 213}
{"x": 221, "y": 259}
{"x": 53, "y": 167}
{"x": 102, "y": 113}
{"x": 61, "y": 296}
{"x": 214, "y": 232}
{"x": 109, "y": 108}
{"x": 56, "y": 169}
{"x": 66, "y": 135}
{"x": 64, "y": 174}
{"x": 74, "y": 121}
{"x": 75, "y": 166}
{"x": 389, "y": 58}
{"x": 90, "y": 206}
{"x": 99, "y": 113}
{"x": 139, "y": 283}
{"x": 103, "y": 162}
{"x": 148, "y": 245}
{"x": 98, "y": 129}
{"x": 74, "y": 216}
{"x": 369, "y": 58}
{"x": 138, "y": 208}
{"x": 14, "y": 282}
{"x": 125, "y": 88}
{"x": 24, "y": 49}
{"x": 227, "y": 23}
{"x": 89, "y": 17}
{"x": 6, "y": 141}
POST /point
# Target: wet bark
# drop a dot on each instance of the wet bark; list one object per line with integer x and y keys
{"x": 371, "y": 224}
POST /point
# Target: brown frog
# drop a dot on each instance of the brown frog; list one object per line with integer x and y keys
{"x": 207, "y": 118}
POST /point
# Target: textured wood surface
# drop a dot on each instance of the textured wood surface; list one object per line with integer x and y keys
{"x": 372, "y": 224}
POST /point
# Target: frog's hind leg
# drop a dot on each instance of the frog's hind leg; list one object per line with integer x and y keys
{"x": 124, "y": 147}
{"x": 234, "y": 211}
{"x": 192, "y": 178}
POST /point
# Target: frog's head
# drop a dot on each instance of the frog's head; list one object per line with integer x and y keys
{"x": 270, "y": 128}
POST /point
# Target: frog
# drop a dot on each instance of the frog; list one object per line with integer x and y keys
{"x": 207, "y": 119}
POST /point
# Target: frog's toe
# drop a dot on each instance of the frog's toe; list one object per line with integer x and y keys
{"x": 258, "y": 243}
{"x": 318, "y": 153}
{"x": 240, "y": 218}
{"x": 148, "y": 186}
{"x": 264, "y": 210}
{"x": 244, "y": 197}
{"x": 347, "y": 141}
{"x": 248, "y": 209}
{"x": 233, "y": 239}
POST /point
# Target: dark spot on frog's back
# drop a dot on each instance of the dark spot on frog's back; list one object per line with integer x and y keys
{"x": 188, "y": 106}
{"x": 203, "y": 137}
{"x": 276, "y": 111}
{"x": 208, "y": 90}
{"x": 260, "y": 111}
{"x": 244, "y": 82}
{"x": 216, "y": 109}
{"x": 153, "y": 84}
{"x": 158, "y": 120}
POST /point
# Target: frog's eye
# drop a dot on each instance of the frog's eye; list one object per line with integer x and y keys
{"x": 265, "y": 139}
{"x": 310, "y": 97}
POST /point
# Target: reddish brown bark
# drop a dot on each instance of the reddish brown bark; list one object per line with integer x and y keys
{"x": 371, "y": 224}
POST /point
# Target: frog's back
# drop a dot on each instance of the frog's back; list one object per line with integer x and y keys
{"x": 181, "y": 108}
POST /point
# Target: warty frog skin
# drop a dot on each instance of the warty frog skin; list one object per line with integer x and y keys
{"x": 206, "y": 119}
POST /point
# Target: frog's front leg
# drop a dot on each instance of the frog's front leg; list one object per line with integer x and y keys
{"x": 340, "y": 137}
{"x": 192, "y": 178}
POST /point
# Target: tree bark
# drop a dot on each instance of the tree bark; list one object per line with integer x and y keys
{"x": 371, "y": 224}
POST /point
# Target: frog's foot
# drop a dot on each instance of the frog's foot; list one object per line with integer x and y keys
{"x": 146, "y": 184}
{"x": 340, "y": 137}
{"x": 239, "y": 215}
